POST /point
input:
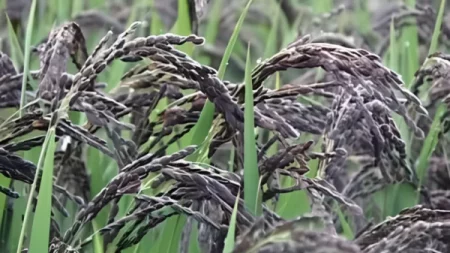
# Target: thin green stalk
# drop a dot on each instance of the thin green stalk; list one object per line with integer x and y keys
{"x": 435, "y": 38}
{"x": 212, "y": 28}
{"x": 156, "y": 26}
{"x": 393, "y": 49}
{"x": 251, "y": 171}
{"x": 77, "y": 7}
{"x": 26, "y": 68}
{"x": 410, "y": 37}
{"x": 40, "y": 236}
{"x": 16, "y": 51}
{"x": 229, "y": 240}
{"x": 432, "y": 140}
{"x": 3, "y": 181}
{"x": 321, "y": 6}
{"x": 271, "y": 45}
{"x": 347, "y": 229}
{"x": 430, "y": 143}
{"x": 32, "y": 190}
{"x": 183, "y": 25}
{"x": 201, "y": 129}
{"x": 437, "y": 28}
{"x": 363, "y": 16}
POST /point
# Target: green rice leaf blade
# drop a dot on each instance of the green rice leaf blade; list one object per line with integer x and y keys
{"x": 229, "y": 240}
{"x": 437, "y": 28}
{"x": 201, "y": 129}
{"x": 183, "y": 25}
{"x": 430, "y": 143}
{"x": 347, "y": 229}
{"x": 28, "y": 38}
{"x": 251, "y": 172}
{"x": 212, "y": 28}
{"x": 39, "y": 240}
{"x": 16, "y": 51}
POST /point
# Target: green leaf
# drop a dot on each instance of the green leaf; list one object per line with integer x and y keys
{"x": 201, "y": 129}
{"x": 212, "y": 28}
{"x": 410, "y": 37}
{"x": 229, "y": 240}
{"x": 183, "y": 26}
{"x": 33, "y": 189}
{"x": 251, "y": 172}
{"x": 98, "y": 240}
{"x": 19, "y": 207}
{"x": 26, "y": 68}
{"x": 347, "y": 229}
{"x": 292, "y": 204}
{"x": 39, "y": 240}
{"x": 77, "y": 7}
{"x": 16, "y": 51}
{"x": 322, "y": 6}
{"x": 5, "y": 182}
{"x": 431, "y": 142}
{"x": 170, "y": 237}
{"x": 437, "y": 28}
{"x": 156, "y": 26}
{"x": 393, "y": 49}
{"x": 271, "y": 46}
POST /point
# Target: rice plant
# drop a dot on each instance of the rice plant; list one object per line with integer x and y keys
{"x": 224, "y": 126}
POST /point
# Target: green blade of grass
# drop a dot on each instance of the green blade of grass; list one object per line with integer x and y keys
{"x": 430, "y": 142}
{"x": 4, "y": 181}
{"x": 32, "y": 190}
{"x": 194, "y": 246}
{"x": 322, "y": 6}
{"x": 229, "y": 240}
{"x": 40, "y": 236}
{"x": 77, "y": 7}
{"x": 171, "y": 234}
{"x": 173, "y": 227}
{"x": 19, "y": 206}
{"x": 347, "y": 229}
{"x": 251, "y": 172}
{"x": 212, "y": 28}
{"x": 16, "y": 50}
{"x": 393, "y": 49}
{"x": 26, "y": 67}
{"x": 363, "y": 16}
{"x": 201, "y": 129}
{"x": 62, "y": 10}
{"x": 156, "y": 26}
{"x": 292, "y": 204}
{"x": 98, "y": 240}
{"x": 183, "y": 25}
{"x": 435, "y": 39}
{"x": 274, "y": 148}
{"x": 28, "y": 38}
{"x": 96, "y": 3}
{"x": 437, "y": 29}
{"x": 118, "y": 68}
{"x": 410, "y": 37}
{"x": 394, "y": 63}
{"x": 271, "y": 45}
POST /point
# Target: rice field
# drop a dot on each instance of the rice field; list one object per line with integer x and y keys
{"x": 197, "y": 126}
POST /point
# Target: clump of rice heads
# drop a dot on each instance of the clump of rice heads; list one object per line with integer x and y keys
{"x": 106, "y": 144}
